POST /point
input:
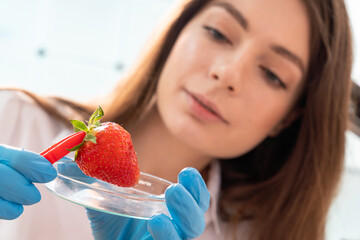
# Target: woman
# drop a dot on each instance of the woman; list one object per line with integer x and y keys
{"x": 253, "y": 91}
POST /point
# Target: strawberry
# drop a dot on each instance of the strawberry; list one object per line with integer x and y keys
{"x": 107, "y": 152}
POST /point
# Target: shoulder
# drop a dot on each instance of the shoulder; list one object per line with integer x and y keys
{"x": 23, "y": 123}
{"x": 15, "y": 104}
{"x": 8, "y": 97}
{"x": 13, "y": 107}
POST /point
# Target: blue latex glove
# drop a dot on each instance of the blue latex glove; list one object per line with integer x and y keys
{"x": 19, "y": 168}
{"x": 187, "y": 201}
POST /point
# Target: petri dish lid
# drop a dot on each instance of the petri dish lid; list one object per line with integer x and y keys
{"x": 141, "y": 201}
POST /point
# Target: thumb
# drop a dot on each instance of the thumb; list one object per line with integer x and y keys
{"x": 32, "y": 165}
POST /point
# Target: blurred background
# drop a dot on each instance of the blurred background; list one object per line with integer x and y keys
{"x": 72, "y": 48}
{"x": 78, "y": 49}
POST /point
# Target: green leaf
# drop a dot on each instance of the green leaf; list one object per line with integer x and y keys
{"x": 76, "y": 154}
{"x": 100, "y": 114}
{"x": 76, "y": 129}
{"x": 96, "y": 116}
{"x": 97, "y": 124}
{"x": 76, "y": 147}
{"x": 90, "y": 138}
{"x": 79, "y": 126}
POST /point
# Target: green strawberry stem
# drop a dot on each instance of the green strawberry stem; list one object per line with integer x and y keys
{"x": 93, "y": 122}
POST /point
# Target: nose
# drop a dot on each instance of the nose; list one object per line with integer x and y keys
{"x": 227, "y": 75}
{"x": 232, "y": 69}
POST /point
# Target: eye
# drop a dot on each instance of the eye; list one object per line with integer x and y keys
{"x": 217, "y": 35}
{"x": 272, "y": 78}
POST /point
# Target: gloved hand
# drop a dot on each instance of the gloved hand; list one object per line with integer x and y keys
{"x": 187, "y": 201}
{"x": 19, "y": 168}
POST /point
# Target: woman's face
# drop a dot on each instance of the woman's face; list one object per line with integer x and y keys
{"x": 234, "y": 74}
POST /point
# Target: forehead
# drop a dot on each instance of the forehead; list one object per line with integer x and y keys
{"x": 278, "y": 22}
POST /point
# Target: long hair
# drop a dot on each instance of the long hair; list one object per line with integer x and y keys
{"x": 287, "y": 183}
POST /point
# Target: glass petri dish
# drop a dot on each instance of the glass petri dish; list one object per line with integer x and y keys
{"x": 141, "y": 201}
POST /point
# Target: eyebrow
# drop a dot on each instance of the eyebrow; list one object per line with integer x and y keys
{"x": 290, "y": 56}
{"x": 245, "y": 24}
{"x": 235, "y": 13}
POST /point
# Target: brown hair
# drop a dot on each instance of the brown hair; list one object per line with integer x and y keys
{"x": 287, "y": 183}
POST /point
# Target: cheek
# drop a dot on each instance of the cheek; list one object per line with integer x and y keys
{"x": 189, "y": 55}
{"x": 264, "y": 117}
{"x": 185, "y": 65}
{"x": 252, "y": 124}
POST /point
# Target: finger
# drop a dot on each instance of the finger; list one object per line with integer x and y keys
{"x": 162, "y": 228}
{"x": 32, "y": 165}
{"x": 14, "y": 187}
{"x": 10, "y": 210}
{"x": 191, "y": 179}
{"x": 185, "y": 211}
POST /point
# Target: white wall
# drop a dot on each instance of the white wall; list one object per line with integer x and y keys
{"x": 72, "y": 48}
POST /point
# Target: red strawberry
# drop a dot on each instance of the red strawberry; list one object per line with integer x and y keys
{"x": 107, "y": 152}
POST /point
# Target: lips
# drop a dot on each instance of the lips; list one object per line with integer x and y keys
{"x": 207, "y": 106}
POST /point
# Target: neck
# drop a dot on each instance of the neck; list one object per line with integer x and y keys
{"x": 159, "y": 152}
